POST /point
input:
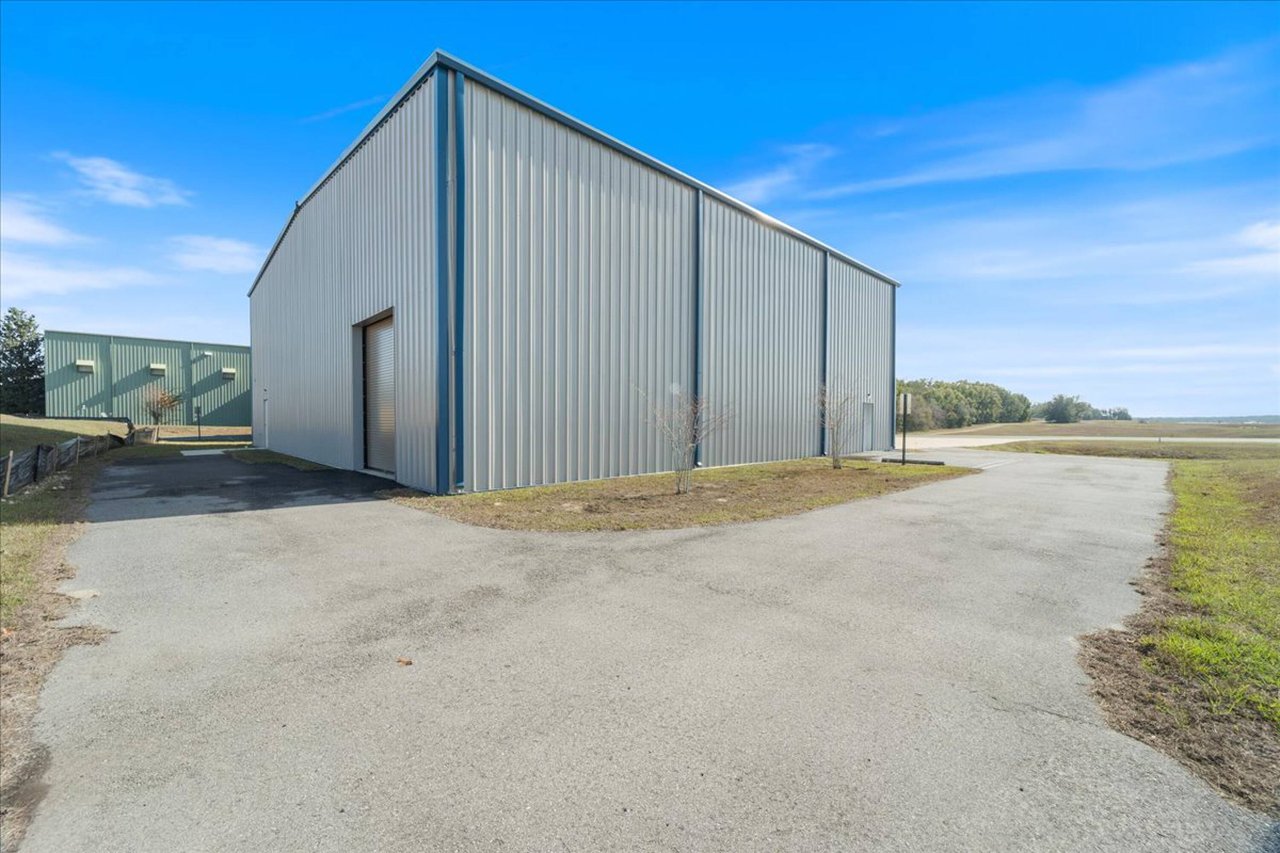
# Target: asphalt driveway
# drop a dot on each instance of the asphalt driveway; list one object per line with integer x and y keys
{"x": 892, "y": 674}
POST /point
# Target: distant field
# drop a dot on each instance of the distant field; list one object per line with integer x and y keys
{"x": 1109, "y": 429}
{"x": 20, "y": 433}
{"x": 1148, "y": 449}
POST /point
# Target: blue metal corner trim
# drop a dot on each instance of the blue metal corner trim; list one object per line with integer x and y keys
{"x": 443, "y": 419}
{"x": 824, "y": 356}
{"x": 460, "y": 282}
{"x": 696, "y": 391}
{"x": 893, "y": 368}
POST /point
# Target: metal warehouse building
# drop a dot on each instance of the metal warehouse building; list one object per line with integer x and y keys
{"x": 107, "y": 375}
{"x": 484, "y": 293}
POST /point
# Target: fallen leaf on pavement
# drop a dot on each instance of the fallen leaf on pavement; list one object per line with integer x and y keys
{"x": 404, "y": 661}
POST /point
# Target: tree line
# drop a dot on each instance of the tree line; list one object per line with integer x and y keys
{"x": 1067, "y": 410}
{"x": 951, "y": 405}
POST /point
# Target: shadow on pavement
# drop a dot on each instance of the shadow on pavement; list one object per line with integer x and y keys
{"x": 169, "y": 486}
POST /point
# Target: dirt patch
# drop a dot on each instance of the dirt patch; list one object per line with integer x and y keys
{"x": 31, "y": 643}
{"x": 1145, "y": 697}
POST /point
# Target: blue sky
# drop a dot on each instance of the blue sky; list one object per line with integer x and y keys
{"x": 1078, "y": 198}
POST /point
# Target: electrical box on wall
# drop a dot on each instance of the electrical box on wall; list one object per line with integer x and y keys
{"x": 228, "y": 373}
{"x": 158, "y": 369}
{"x": 84, "y": 365}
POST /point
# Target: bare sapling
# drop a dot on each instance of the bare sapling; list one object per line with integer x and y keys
{"x": 159, "y": 402}
{"x": 836, "y": 411}
{"x": 685, "y": 423}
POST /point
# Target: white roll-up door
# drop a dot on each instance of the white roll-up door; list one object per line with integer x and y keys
{"x": 380, "y": 396}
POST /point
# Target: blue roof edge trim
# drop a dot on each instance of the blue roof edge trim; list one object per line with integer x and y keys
{"x": 441, "y": 59}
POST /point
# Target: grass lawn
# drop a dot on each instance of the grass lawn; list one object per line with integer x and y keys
{"x": 1134, "y": 429}
{"x": 1197, "y": 671}
{"x": 259, "y": 457}
{"x": 1225, "y": 541}
{"x": 719, "y": 496}
{"x": 29, "y": 521}
{"x": 21, "y": 433}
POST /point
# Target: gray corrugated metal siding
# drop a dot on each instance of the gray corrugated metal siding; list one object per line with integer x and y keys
{"x": 579, "y": 297}
{"x": 575, "y": 265}
{"x": 762, "y": 310}
{"x": 860, "y": 314}
{"x": 365, "y": 243}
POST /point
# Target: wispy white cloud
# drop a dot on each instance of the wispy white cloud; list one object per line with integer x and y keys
{"x": 799, "y": 162}
{"x": 1196, "y": 351}
{"x": 113, "y": 182}
{"x": 25, "y": 275}
{"x": 1260, "y": 243}
{"x": 1083, "y": 250}
{"x": 23, "y": 220}
{"x": 215, "y": 254}
{"x": 345, "y": 108}
{"x": 1173, "y": 115}
{"x": 1179, "y": 114}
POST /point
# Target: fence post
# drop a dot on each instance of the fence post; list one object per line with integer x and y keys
{"x": 53, "y": 468}
{"x": 8, "y": 469}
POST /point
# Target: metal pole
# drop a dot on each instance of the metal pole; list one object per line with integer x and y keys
{"x": 904, "y": 429}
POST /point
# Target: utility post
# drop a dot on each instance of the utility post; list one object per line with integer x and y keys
{"x": 906, "y": 410}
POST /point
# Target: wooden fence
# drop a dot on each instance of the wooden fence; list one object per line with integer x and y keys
{"x": 21, "y": 469}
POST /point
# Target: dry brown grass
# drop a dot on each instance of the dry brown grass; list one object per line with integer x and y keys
{"x": 719, "y": 496}
{"x": 37, "y": 526}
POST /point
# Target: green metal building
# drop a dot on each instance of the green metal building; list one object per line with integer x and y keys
{"x": 89, "y": 376}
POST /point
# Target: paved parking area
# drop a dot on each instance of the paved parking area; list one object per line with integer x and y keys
{"x": 892, "y": 674}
